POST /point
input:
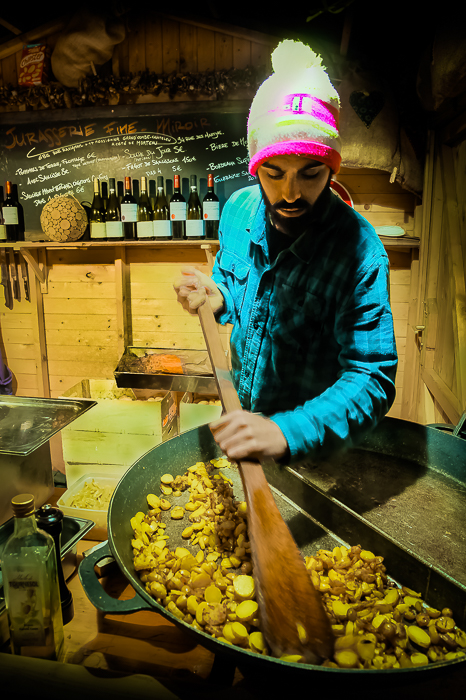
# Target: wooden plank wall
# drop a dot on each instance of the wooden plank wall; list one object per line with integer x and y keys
{"x": 83, "y": 337}
{"x": 438, "y": 386}
{"x": 81, "y": 307}
{"x": 162, "y": 43}
{"x": 384, "y": 203}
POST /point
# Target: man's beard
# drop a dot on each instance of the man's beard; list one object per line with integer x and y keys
{"x": 295, "y": 226}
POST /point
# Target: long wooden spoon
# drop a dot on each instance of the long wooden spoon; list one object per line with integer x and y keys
{"x": 293, "y": 619}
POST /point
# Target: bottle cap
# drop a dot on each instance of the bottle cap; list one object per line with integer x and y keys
{"x": 176, "y": 179}
{"x": 23, "y": 505}
{"x": 159, "y": 180}
{"x": 193, "y": 180}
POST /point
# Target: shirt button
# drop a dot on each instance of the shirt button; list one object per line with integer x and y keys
{"x": 256, "y": 324}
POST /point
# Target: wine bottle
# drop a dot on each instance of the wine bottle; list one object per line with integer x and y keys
{"x": 194, "y": 222}
{"x": 97, "y": 216}
{"x": 10, "y": 214}
{"x": 178, "y": 211}
{"x": 21, "y": 226}
{"x": 104, "y": 188}
{"x": 211, "y": 210}
{"x": 113, "y": 215}
{"x": 152, "y": 194}
{"x": 120, "y": 191}
{"x": 145, "y": 228}
{"x": 161, "y": 223}
{"x": 30, "y": 585}
{"x": 2, "y": 223}
{"x": 129, "y": 212}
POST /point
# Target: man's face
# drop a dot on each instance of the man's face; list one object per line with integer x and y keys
{"x": 291, "y": 185}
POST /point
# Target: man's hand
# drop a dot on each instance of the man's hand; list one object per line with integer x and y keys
{"x": 243, "y": 435}
{"x": 194, "y": 287}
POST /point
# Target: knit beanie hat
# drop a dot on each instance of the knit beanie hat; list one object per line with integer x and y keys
{"x": 295, "y": 110}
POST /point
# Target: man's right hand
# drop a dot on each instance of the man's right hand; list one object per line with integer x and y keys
{"x": 194, "y": 287}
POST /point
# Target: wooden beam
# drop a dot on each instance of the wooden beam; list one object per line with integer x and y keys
{"x": 9, "y": 26}
{"x": 411, "y": 375}
{"x": 442, "y": 394}
{"x": 123, "y": 301}
{"x": 457, "y": 279}
{"x": 40, "y": 340}
{"x": 16, "y": 44}
{"x": 223, "y": 27}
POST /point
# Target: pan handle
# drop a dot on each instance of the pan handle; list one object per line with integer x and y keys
{"x": 96, "y": 593}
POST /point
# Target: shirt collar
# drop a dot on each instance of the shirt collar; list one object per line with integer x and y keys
{"x": 257, "y": 224}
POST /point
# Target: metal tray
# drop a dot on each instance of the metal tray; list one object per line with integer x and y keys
{"x": 169, "y": 382}
{"x": 26, "y": 423}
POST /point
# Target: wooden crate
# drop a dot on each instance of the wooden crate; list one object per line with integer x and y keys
{"x": 118, "y": 430}
{"x": 193, "y": 414}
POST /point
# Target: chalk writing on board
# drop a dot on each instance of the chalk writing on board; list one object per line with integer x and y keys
{"x": 64, "y": 158}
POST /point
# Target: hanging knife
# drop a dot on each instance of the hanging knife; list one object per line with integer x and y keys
{"x": 5, "y": 281}
{"x": 14, "y": 275}
{"x": 24, "y": 275}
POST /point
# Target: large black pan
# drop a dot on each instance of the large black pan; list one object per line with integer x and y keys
{"x": 177, "y": 454}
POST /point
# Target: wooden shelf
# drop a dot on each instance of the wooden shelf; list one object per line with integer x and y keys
{"x": 388, "y": 241}
{"x": 401, "y": 242}
{"x": 17, "y": 245}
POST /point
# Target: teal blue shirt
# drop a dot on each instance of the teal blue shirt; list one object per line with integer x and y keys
{"x": 312, "y": 345}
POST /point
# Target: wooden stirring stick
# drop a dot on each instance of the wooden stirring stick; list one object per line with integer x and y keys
{"x": 293, "y": 620}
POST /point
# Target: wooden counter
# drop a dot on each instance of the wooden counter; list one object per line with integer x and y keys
{"x": 144, "y": 655}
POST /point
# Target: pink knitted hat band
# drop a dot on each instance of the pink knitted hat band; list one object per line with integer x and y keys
{"x": 310, "y": 149}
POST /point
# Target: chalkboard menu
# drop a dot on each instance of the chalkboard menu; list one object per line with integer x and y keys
{"x": 61, "y": 152}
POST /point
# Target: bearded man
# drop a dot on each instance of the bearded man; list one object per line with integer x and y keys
{"x": 303, "y": 278}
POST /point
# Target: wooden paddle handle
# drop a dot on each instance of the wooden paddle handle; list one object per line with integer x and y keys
{"x": 292, "y": 616}
{"x": 226, "y": 390}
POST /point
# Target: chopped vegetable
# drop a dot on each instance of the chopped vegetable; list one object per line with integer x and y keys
{"x": 377, "y": 625}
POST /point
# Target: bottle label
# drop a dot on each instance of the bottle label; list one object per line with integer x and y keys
{"x": 114, "y": 229}
{"x": 10, "y": 215}
{"x": 211, "y": 211}
{"x": 26, "y": 606}
{"x": 98, "y": 230}
{"x": 162, "y": 229}
{"x": 145, "y": 229}
{"x": 194, "y": 227}
{"x": 178, "y": 211}
{"x": 3, "y": 236}
{"x": 129, "y": 211}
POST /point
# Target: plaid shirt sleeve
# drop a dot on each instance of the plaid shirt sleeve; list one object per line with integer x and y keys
{"x": 365, "y": 388}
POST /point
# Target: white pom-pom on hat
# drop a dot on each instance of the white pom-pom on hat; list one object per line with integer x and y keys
{"x": 292, "y": 56}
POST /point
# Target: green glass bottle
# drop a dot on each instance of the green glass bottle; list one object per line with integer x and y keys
{"x": 97, "y": 226}
{"x": 144, "y": 228}
{"x": 194, "y": 222}
{"x": 30, "y": 584}
{"x": 162, "y": 229}
{"x": 178, "y": 211}
{"x": 129, "y": 211}
{"x": 211, "y": 210}
{"x": 113, "y": 215}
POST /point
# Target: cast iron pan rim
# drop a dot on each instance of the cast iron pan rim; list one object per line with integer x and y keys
{"x": 249, "y": 657}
